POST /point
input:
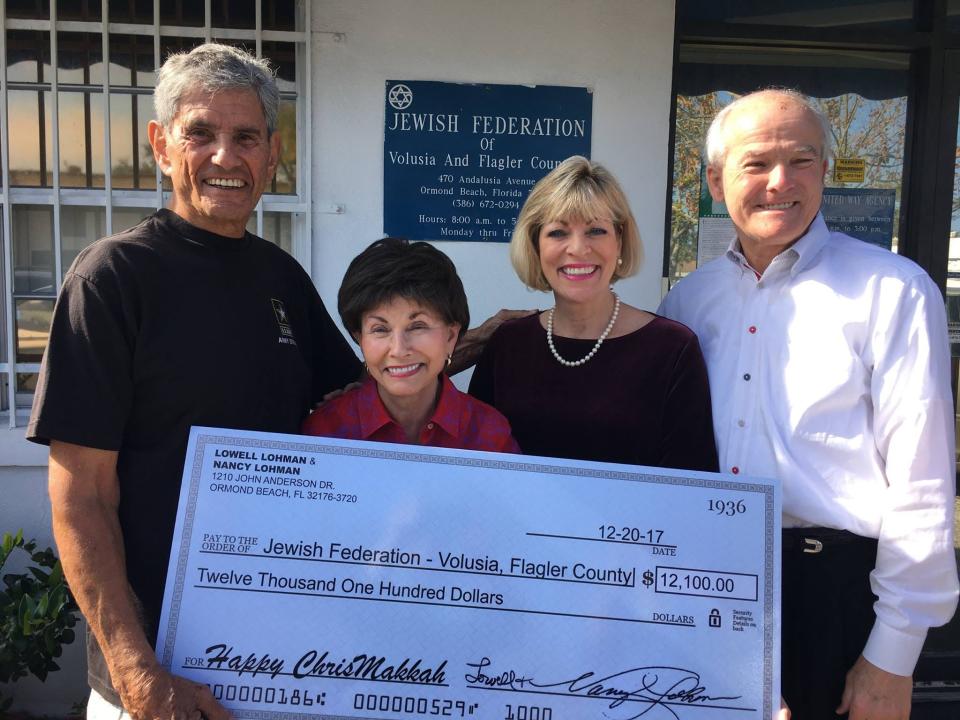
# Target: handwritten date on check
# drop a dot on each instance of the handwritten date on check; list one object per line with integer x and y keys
{"x": 341, "y": 579}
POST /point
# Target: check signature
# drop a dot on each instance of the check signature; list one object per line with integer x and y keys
{"x": 652, "y": 687}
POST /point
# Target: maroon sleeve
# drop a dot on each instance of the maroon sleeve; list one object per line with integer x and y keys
{"x": 688, "y": 440}
{"x": 482, "y": 385}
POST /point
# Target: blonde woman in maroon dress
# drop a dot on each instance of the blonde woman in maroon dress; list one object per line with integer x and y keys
{"x": 593, "y": 378}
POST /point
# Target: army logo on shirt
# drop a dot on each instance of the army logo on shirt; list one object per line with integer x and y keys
{"x": 286, "y": 332}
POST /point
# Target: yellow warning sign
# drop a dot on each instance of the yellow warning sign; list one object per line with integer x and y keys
{"x": 851, "y": 170}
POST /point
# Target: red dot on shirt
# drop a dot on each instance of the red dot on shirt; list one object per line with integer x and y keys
{"x": 752, "y": 329}
{"x": 735, "y": 470}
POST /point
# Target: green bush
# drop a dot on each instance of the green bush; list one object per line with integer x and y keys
{"x": 37, "y": 614}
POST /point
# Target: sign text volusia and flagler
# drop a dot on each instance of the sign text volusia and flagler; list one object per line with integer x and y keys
{"x": 459, "y": 159}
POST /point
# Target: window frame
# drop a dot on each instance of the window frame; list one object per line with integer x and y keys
{"x": 297, "y": 205}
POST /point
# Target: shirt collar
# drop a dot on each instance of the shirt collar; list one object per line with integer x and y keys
{"x": 374, "y": 415}
{"x": 802, "y": 252}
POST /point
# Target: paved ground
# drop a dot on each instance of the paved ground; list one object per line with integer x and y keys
{"x": 956, "y": 524}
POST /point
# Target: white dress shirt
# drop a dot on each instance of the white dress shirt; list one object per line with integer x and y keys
{"x": 831, "y": 372}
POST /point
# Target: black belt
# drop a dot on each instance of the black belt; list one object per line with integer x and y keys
{"x": 813, "y": 540}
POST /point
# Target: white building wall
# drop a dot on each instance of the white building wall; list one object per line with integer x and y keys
{"x": 622, "y": 49}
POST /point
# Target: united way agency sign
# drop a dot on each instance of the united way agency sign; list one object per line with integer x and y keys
{"x": 865, "y": 213}
{"x": 459, "y": 159}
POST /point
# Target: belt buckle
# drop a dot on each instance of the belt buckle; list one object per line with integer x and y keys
{"x": 813, "y": 546}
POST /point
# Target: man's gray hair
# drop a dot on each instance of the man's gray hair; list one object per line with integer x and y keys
{"x": 211, "y": 68}
{"x": 715, "y": 148}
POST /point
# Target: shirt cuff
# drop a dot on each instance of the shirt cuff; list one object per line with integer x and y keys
{"x": 892, "y": 650}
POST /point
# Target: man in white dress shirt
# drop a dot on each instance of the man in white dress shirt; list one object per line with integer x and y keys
{"x": 830, "y": 370}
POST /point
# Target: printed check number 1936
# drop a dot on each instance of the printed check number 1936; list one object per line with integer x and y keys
{"x": 311, "y": 576}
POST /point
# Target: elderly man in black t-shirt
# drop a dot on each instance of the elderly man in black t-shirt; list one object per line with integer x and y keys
{"x": 185, "y": 319}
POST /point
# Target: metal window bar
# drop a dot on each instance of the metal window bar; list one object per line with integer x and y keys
{"x": 207, "y": 21}
{"x": 258, "y": 43}
{"x": 6, "y": 241}
{"x": 105, "y": 98}
{"x": 156, "y": 66}
{"x": 55, "y": 195}
{"x": 55, "y": 145}
{"x": 302, "y": 244}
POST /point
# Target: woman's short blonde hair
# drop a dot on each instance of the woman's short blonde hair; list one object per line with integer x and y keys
{"x": 579, "y": 190}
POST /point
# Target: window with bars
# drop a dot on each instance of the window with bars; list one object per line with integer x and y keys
{"x": 75, "y": 100}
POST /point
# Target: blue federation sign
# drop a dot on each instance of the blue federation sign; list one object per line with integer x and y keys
{"x": 459, "y": 159}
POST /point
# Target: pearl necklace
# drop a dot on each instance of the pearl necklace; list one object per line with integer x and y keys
{"x": 603, "y": 335}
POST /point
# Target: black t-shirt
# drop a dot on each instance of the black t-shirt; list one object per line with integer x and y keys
{"x": 165, "y": 326}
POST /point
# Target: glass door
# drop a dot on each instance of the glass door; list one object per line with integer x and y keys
{"x": 864, "y": 96}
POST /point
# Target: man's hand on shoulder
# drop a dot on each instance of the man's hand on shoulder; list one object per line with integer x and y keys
{"x": 875, "y": 694}
{"x": 482, "y": 332}
{"x": 155, "y": 694}
{"x": 473, "y": 340}
{"x": 338, "y": 392}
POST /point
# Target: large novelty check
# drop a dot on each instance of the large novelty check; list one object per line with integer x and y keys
{"x": 311, "y": 576}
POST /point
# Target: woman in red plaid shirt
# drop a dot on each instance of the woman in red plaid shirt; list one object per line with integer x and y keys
{"x": 404, "y": 304}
